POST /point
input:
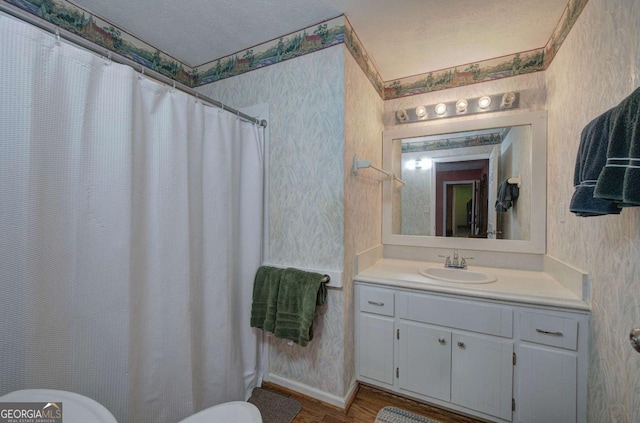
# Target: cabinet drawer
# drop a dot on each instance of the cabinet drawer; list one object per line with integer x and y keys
{"x": 473, "y": 316}
{"x": 549, "y": 329}
{"x": 376, "y": 300}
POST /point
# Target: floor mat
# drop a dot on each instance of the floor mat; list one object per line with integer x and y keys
{"x": 273, "y": 407}
{"x": 398, "y": 415}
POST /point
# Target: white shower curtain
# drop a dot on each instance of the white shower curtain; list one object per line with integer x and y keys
{"x": 130, "y": 232}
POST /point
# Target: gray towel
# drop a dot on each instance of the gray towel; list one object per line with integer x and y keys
{"x": 507, "y": 195}
{"x": 620, "y": 178}
{"x": 299, "y": 294}
{"x": 590, "y": 160}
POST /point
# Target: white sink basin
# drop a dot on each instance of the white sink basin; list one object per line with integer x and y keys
{"x": 457, "y": 275}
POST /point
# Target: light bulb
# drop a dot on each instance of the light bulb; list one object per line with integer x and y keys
{"x": 461, "y": 106}
{"x": 421, "y": 111}
{"x": 484, "y": 102}
{"x": 507, "y": 100}
{"x": 441, "y": 109}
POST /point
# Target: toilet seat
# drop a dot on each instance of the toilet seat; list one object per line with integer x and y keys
{"x": 228, "y": 412}
{"x": 76, "y": 408}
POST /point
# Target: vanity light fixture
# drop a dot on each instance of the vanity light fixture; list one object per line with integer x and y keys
{"x": 419, "y": 164}
{"x": 464, "y": 106}
{"x": 484, "y": 102}
{"x": 461, "y": 105}
{"x": 441, "y": 109}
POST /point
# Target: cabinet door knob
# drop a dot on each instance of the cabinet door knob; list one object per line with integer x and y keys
{"x": 442, "y": 341}
{"x": 461, "y": 344}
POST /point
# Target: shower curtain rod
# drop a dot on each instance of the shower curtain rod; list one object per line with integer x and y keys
{"x": 88, "y": 45}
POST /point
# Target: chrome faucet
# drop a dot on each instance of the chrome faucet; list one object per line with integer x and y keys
{"x": 457, "y": 262}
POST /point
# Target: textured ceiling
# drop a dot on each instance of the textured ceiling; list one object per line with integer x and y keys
{"x": 402, "y": 37}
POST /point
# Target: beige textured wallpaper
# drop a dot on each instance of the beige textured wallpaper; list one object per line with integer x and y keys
{"x": 362, "y": 193}
{"x": 597, "y": 66}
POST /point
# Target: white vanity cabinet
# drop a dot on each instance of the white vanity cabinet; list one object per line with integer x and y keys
{"x": 456, "y": 350}
{"x": 469, "y": 370}
{"x": 426, "y": 351}
{"x": 375, "y": 336}
{"x": 496, "y": 360}
{"x": 552, "y": 366}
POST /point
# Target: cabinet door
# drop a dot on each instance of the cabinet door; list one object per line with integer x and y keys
{"x": 547, "y": 385}
{"x": 375, "y": 348}
{"x": 425, "y": 360}
{"x": 482, "y": 374}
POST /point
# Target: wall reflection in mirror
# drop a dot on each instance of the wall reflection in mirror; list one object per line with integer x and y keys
{"x": 453, "y": 182}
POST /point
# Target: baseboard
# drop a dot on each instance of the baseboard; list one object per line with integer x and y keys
{"x": 309, "y": 391}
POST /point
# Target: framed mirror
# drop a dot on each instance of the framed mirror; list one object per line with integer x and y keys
{"x": 477, "y": 184}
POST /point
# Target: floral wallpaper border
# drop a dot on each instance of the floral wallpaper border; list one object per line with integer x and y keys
{"x": 308, "y": 40}
{"x": 488, "y": 70}
{"x": 83, "y": 23}
{"x": 103, "y": 33}
{"x": 332, "y": 32}
{"x": 358, "y": 52}
{"x": 455, "y": 142}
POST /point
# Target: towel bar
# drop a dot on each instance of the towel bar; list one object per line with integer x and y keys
{"x": 335, "y": 276}
{"x": 363, "y": 164}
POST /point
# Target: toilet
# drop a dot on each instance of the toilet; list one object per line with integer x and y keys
{"x": 228, "y": 412}
{"x": 76, "y": 408}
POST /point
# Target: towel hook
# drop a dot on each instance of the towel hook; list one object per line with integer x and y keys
{"x": 515, "y": 181}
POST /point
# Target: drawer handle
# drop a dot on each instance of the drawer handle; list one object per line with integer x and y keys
{"x": 376, "y": 303}
{"x": 546, "y": 332}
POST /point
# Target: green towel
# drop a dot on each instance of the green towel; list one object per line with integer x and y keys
{"x": 299, "y": 294}
{"x": 265, "y": 296}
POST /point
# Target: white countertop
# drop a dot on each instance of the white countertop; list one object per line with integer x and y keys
{"x": 522, "y": 286}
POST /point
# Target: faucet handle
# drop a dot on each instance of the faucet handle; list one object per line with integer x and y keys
{"x": 463, "y": 262}
{"x": 447, "y": 261}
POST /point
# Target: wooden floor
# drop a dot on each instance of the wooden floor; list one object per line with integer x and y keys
{"x": 364, "y": 409}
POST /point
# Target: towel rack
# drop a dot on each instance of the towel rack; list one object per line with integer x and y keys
{"x": 335, "y": 276}
{"x": 515, "y": 181}
{"x": 363, "y": 164}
